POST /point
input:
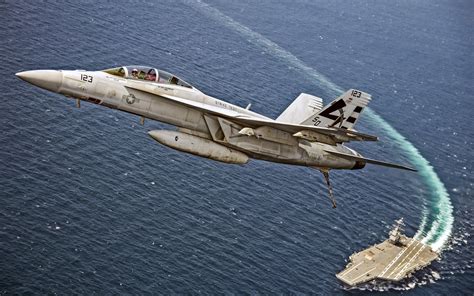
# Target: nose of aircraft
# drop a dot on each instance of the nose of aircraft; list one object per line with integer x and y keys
{"x": 47, "y": 79}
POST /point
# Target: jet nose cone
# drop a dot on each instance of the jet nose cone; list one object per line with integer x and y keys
{"x": 47, "y": 79}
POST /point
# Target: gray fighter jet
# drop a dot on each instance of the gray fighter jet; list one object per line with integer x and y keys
{"x": 306, "y": 133}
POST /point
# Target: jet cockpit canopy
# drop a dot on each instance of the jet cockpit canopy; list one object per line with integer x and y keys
{"x": 147, "y": 74}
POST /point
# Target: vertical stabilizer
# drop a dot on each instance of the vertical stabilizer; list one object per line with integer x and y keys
{"x": 303, "y": 106}
{"x": 343, "y": 112}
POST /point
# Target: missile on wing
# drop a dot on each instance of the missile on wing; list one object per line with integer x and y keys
{"x": 198, "y": 146}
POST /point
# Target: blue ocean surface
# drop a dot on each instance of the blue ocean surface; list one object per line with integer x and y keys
{"x": 90, "y": 204}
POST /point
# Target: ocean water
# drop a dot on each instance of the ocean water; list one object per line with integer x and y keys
{"x": 91, "y": 205}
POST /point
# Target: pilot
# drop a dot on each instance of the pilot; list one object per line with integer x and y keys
{"x": 151, "y": 75}
{"x": 135, "y": 73}
{"x": 141, "y": 75}
{"x": 121, "y": 72}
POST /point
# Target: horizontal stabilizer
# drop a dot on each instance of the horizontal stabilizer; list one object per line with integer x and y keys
{"x": 372, "y": 161}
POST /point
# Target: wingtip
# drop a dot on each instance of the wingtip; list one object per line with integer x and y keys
{"x": 404, "y": 167}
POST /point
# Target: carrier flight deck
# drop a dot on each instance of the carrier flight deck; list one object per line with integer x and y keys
{"x": 392, "y": 260}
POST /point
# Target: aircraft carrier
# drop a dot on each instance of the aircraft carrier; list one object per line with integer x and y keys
{"x": 392, "y": 260}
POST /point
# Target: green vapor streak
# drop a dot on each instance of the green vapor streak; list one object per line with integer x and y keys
{"x": 437, "y": 229}
{"x": 440, "y": 208}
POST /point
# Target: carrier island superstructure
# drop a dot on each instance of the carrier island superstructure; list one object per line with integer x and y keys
{"x": 394, "y": 259}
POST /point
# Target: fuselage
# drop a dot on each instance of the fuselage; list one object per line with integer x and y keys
{"x": 148, "y": 96}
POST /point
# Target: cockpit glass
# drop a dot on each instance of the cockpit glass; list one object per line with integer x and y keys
{"x": 116, "y": 71}
{"x": 147, "y": 73}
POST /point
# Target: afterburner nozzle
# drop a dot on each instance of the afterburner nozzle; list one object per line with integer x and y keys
{"x": 47, "y": 79}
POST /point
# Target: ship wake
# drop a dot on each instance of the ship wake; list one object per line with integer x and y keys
{"x": 437, "y": 221}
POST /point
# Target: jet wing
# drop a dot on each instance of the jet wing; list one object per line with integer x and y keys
{"x": 215, "y": 110}
{"x": 295, "y": 128}
{"x": 341, "y": 135}
{"x": 372, "y": 161}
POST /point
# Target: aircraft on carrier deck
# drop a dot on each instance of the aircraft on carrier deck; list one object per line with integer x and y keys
{"x": 306, "y": 133}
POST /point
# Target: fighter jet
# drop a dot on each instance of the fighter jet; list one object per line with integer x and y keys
{"x": 305, "y": 134}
